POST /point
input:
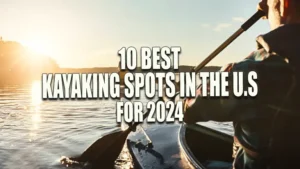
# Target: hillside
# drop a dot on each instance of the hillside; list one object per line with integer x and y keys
{"x": 18, "y": 65}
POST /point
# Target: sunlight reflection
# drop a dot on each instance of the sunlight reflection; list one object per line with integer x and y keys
{"x": 32, "y": 136}
{"x": 36, "y": 100}
{"x": 36, "y": 93}
{"x": 36, "y": 117}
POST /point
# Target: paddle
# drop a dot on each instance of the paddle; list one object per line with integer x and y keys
{"x": 106, "y": 150}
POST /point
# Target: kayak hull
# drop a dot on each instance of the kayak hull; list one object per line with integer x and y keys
{"x": 165, "y": 153}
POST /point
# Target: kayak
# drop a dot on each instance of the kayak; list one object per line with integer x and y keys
{"x": 177, "y": 146}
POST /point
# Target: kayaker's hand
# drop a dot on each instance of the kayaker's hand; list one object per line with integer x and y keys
{"x": 177, "y": 86}
{"x": 187, "y": 119}
{"x": 185, "y": 105}
{"x": 263, "y": 5}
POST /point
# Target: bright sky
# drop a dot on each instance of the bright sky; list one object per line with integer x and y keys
{"x": 88, "y": 33}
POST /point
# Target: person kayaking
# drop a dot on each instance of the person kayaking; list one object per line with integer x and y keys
{"x": 265, "y": 127}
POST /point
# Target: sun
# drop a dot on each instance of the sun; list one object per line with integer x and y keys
{"x": 37, "y": 46}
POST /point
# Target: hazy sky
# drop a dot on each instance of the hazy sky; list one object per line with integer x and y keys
{"x": 88, "y": 33}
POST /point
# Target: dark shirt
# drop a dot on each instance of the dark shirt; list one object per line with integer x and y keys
{"x": 253, "y": 117}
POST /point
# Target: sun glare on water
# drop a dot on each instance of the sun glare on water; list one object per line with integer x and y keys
{"x": 36, "y": 93}
{"x": 36, "y": 100}
{"x": 36, "y": 116}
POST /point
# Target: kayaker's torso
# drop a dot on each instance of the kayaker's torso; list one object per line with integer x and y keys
{"x": 253, "y": 119}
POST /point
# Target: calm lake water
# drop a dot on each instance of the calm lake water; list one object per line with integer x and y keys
{"x": 34, "y": 134}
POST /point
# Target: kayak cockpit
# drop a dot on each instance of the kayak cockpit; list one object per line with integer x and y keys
{"x": 202, "y": 144}
{"x": 165, "y": 151}
{"x": 178, "y": 146}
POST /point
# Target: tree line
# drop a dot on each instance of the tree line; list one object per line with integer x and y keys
{"x": 20, "y": 65}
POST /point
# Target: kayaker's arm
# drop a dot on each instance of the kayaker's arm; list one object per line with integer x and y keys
{"x": 218, "y": 108}
{"x": 205, "y": 109}
{"x": 208, "y": 108}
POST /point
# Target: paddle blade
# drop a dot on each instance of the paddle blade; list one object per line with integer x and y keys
{"x": 107, "y": 158}
{"x": 102, "y": 145}
{"x": 102, "y": 153}
{"x": 93, "y": 150}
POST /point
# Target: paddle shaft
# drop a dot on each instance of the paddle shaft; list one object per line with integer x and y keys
{"x": 243, "y": 28}
{"x": 146, "y": 135}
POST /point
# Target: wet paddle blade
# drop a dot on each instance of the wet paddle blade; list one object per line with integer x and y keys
{"x": 107, "y": 158}
{"x": 102, "y": 153}
{"x": 104, "y": 145}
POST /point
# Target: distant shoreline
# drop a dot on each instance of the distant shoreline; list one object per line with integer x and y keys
{"x": 15, "y": 78}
